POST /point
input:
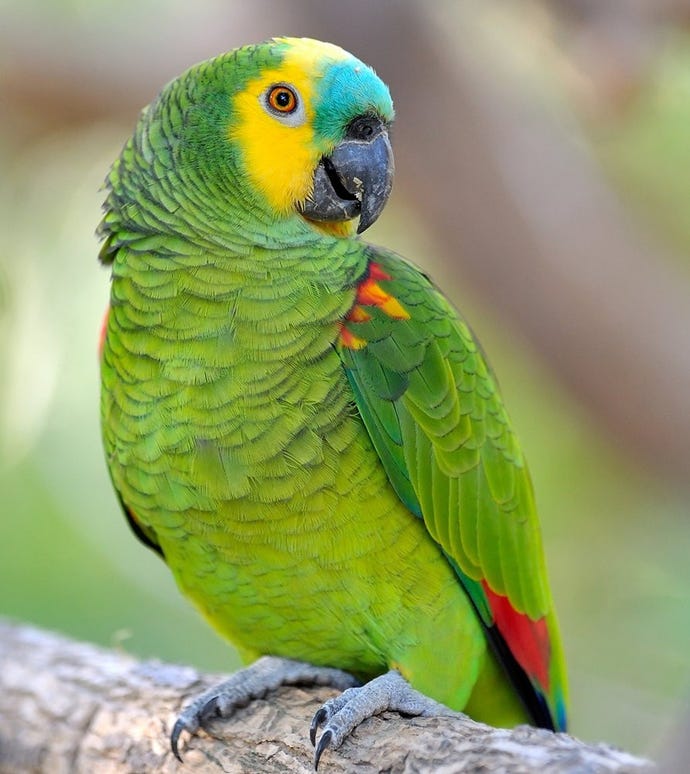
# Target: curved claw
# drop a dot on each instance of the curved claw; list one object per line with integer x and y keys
{"x": 191, "y": 720}
{"x": 316, "y": 721}
{"x": 340, "y": 715}
{"x": 324, "y": 744}
{"x": 266, "y": 674}
{"x": 209, "y": 711}
{"x": 178, "y": 728}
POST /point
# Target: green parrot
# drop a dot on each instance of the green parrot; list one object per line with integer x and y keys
{"x": 300, "y": 423}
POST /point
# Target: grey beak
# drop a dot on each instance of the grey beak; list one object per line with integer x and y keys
{"x": 356, "y": 179}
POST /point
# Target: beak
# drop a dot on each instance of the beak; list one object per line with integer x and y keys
{"x": 356, "y": 179}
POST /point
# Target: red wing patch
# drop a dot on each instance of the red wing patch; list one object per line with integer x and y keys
{"x": 528, "y": 640}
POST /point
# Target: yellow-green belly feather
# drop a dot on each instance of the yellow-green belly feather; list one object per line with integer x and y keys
{"x": 232, "y": 437}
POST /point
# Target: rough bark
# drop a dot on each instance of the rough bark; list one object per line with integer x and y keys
{"x": 73, "y": 707}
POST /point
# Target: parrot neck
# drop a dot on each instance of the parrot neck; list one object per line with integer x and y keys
{"x": 174, "y": 223}
{"x": 183, "y": 278}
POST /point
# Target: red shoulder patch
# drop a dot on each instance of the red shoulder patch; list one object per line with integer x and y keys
{"x": 370, "y": 293}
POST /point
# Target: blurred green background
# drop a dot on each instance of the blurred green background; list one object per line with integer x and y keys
{"x": 614, "y": 510}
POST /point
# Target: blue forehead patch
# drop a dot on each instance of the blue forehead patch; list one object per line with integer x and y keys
{"x": 348, "y": 89}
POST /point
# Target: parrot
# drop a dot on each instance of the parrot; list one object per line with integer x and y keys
{"x": 300, "y": 423}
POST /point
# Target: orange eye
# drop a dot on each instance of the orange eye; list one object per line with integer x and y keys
{"x": 282, "y": 99}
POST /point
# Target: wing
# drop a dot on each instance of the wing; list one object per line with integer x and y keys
{"x": 430, "y": 404}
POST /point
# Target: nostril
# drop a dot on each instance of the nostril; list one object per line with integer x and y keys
{"x": 364, "y": 128}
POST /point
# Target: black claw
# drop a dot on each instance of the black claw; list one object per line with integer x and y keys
{"x": 210, "y": 711}
{"x": 324, "y": 743}
{"x": 316, "y": 721}
{"x": 178, "y": 728}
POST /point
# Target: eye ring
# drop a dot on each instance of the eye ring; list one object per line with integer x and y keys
{"x": 282, "y": 99}
{"x": 283, "y": 102}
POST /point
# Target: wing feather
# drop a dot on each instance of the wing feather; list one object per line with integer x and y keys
{"x": 432, "y": 409}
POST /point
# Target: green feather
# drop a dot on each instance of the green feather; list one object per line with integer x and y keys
{"x": 340, "y": 506}
{"x": 449, "y": 414}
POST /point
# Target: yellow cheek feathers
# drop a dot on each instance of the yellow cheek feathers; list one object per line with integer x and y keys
{"x": 280, "y": 159}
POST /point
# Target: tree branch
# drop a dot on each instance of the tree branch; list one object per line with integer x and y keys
{"x": 69, "y": 706}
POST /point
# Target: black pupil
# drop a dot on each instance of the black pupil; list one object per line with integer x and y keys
{"x": 283, "y": 98}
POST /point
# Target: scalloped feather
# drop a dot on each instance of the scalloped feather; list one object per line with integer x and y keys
{"x": 430, "y": 404}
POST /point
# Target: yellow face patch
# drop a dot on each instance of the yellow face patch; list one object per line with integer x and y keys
{"x": 280, "y": 152}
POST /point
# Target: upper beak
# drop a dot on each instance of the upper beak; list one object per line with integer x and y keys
{"x": 356, "y": 179}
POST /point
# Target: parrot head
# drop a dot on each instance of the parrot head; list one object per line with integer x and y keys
{"x": 278, "y": 137}
{"x": 312, "y": 133}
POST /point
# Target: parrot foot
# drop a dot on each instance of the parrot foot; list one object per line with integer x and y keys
{"x": 341, "y": 715}
{"x": 254, "y": 682}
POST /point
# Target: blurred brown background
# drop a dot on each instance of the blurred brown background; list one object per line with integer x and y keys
{"x": 543, "y": 157}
